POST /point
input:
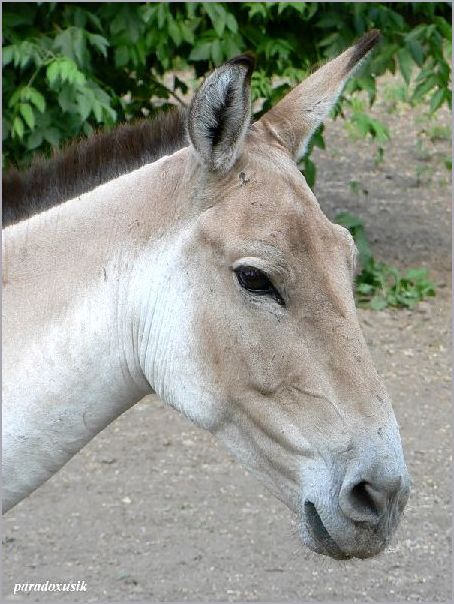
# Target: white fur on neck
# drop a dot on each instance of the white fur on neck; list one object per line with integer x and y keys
{"x": 69, "y": 384}
{"x": 69, "y": 372}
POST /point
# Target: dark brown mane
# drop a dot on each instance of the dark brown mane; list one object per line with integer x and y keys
{"x": 87, "y": 163}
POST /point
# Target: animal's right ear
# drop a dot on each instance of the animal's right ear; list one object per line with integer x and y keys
{"x": 220, "y": 114}
{"x": 294, "y": 119}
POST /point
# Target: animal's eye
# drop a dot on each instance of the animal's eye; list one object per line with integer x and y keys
{"x": 257, "y": 282}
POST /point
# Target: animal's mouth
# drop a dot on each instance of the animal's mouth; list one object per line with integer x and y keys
{"x": 322, "y": 539}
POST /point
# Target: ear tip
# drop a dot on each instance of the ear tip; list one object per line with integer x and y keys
{"x": 370, "y": 39}
{"x": 246, "y": 60}
{"x": 363, "y": 46}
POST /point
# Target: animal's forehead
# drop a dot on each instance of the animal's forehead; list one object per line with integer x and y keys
{"x": 266, "y": 199}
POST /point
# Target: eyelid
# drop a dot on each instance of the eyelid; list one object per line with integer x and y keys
{"x": 277, "y": 274}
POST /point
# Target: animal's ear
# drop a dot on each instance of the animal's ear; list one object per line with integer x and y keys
{"x": 220, "y": 114}
{"x": 293, "y": 120}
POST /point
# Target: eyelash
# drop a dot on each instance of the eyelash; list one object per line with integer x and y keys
{"x": 257, "y": 283}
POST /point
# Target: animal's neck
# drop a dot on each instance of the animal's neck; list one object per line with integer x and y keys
{"x": 70, "y": 349}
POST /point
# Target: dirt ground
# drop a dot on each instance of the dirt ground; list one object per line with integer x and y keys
{"x": 153, "y": 509}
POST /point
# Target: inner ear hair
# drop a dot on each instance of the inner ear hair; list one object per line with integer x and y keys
{"x": 220, "y": 113}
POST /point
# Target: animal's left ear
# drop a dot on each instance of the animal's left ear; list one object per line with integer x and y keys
{"x": 220, "y": 114}
{"x": 293, "y": 120}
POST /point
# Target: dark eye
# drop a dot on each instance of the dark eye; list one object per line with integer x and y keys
{"x": 257, "y": 282}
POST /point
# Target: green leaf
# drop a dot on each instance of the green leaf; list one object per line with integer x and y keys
{"x": 163, "y": 13}
{"x": 83, "y": 105}
{"x": 444, "y": 27}
{"x": 367, "y": 83}
{"x": 94, "y": 20}
{"x": 436, "y": 100}
{"x": 121, "y": 56}
{"x": 52, "y": 136}
{"x": 71, "y": 44}
{"x": 25, "y": 54}
{"x": 256, "y": 9}
{"x": 365, "y": 289}
{"x": 14, "y": 98}
{"x": 60, "y": 70}
{"x": 231, "y": 46}
{"x": 35, "y": 97}
{"x": 379, "y": 130}
{"x": 427, "y": 82}
{"x": 310, "y": 171}
{"x": 7, "y": 54}
{"x": 87, "y": 129}
{"x": 98, "y": 42}
{"x": 201, "y": 52}
{"x": 349, "y": 221}
{"x": 405, "y": 64}
{"x": 317, "y": 139}
{"x": 416, "y": 51}
{"x": 17, "y": 19}
{"x": 417, "y": 274}
{"x": 378, "y": 303}
{"x": 18, "y": 127}
{"x": 187, "y": 33}
{"x": 52, "y": 72}
{"x": 217, "y": 16}
{"x": 27, "y": 113}
{"x": 34, "y": 140}
{"x": 328, "y": 40}
{"x": 6, "y": 129}
{"x": 110, "y": 115}
{"x": 66, "y": 99}
{"x": 216, "y": 52}
{"x": 97, "y": 110}
{"x": 174, "y": 32}
{"x": 79, "y": 46}
{"x": 231, "y": 23}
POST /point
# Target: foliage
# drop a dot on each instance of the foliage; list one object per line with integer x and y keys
{"x": 378, "y": 284}
{"x": 69, "y": 67}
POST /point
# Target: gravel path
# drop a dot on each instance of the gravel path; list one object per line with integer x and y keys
{"x": 154, "y": 509}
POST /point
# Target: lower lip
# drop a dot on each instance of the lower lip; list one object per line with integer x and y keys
{"x": 319, "y": 533}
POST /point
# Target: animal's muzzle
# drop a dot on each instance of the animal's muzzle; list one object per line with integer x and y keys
{"x": 358, "y": 517}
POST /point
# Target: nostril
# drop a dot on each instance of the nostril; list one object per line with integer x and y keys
{"x": 362, "y": 502}
{"x": 373, "y": 495}
{"x": 365, "y": 499}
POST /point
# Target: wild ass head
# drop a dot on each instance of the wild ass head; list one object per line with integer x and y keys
{"x": 259, "y": 307}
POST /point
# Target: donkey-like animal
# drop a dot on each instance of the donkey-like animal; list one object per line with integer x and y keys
{"x": 211, "y": 277}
